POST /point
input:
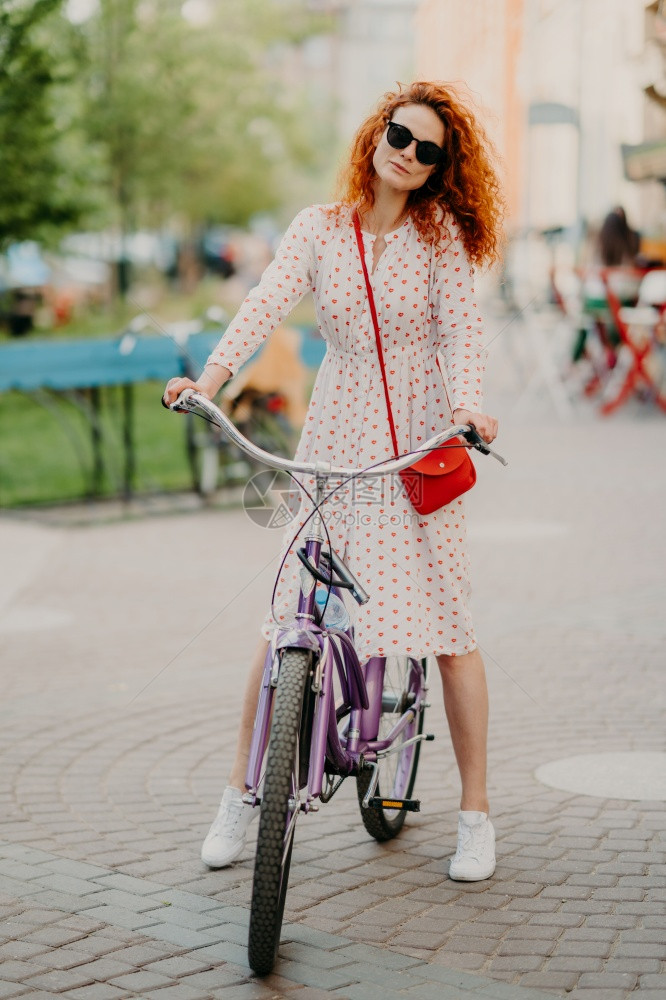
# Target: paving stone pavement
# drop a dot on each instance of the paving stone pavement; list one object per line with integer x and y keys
{"x": 123, "y": 652}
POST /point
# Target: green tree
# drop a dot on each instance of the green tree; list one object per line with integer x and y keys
{"x": 190, "y": 120}
{"x": 40, "y": 193}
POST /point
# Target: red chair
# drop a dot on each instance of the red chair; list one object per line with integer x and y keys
{"x": 637, "y": 328}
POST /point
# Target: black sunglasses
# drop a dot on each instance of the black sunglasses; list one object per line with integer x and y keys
{"x": 400, "y": 137}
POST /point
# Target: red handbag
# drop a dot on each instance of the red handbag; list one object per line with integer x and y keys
{"x": 442, "y": 474}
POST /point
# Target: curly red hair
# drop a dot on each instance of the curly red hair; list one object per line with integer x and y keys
{"x": 464, "y": 184}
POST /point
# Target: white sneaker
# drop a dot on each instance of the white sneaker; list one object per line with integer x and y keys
{"x": 226, "y": 838}
{"x": 474, "y": 859}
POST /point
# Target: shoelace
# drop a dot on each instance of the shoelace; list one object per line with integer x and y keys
{"x": 473, "y": 840}
{"x": 226, "y": 825}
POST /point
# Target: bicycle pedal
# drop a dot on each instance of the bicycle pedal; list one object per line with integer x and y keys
{"x": 409, "y": 805}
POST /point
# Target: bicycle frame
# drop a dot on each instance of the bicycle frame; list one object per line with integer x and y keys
{"x": 331, "y": 649}
{"x": 333, "y": 655}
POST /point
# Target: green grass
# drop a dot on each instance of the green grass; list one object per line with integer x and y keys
{"x": 40, "y": 447}
{"x": 45, "y": 451}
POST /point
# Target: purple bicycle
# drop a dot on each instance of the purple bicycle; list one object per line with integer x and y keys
{"x": 322, "y": 715}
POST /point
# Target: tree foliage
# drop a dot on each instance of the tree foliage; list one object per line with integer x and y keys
{"x": 190, "y": 119}
{"x": 39, "y": 193}
{"x": 144, "y": 117}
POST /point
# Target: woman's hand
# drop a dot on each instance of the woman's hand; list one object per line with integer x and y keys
{"x": 211, "y": 380}
{"x": 485, "y": 425}
{"x": 175, "y": 386}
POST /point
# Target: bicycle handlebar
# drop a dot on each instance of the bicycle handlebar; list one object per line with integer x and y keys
{"x": 191, "y": 401}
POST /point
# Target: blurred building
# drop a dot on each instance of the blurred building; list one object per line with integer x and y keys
{"x": 478, "y": 46}
{"x": 561, "y": 85}
{"x": 572, "y": 92}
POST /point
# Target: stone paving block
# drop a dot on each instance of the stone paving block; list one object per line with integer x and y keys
{"x": 424, "y": 940}
{"x": 21, "y": 950}
{"x": 636, "y": 949}
{"x": 96, "y": 944}
{"x": 619, "y": 921}
{"x": 216, "y": 979}
{"x": 40, "y": 995}
{"x": 575, "y": 963}
{"x": 308, "y": 935}
{"x": 308, "y": 975}
{"x": 77, "y": 869}
{"x": 562, "y": 981}
{"x": 97, "y": 991}
{"x": 500, "y": 991}
{"x": 68, "y": 884}
{"x": 180, "y": 917}
{"x": 652, "y": 982}
{"x": 141, "y": 981}
{"x": 138, "y": 955}
{"x": 105, "y": 968}
{"x": 367, "y": 991}
{"x": 59, "y": 980}
{"x": 603, "y": 994}
{"x": 129, "y": 883}
{"x": 18, "y": 870}
{"x": 56, "y": 900}
{"x": 375, "y": 956}
{"x": 16, "y": 887}
{"x": 359, "y": 972}
{"x": 126, "y": 900}
{"x": 610, "y": 980}
{"x": 433, "y": 991}
{"x": 184, "y": 937}
{"x": 586, "y": 933}
{"x": 186, "y": 900}
{"x": 437, "y": 973}
{"x": 528, "y": 946}
{"x": 180, "y": 991}
{"x": 122, "y": 917}
{"x": 637, "y": 965}
{"x": 471, "y": 943}
{"x": 179, "y": 966}
{"x": 515, "y": 963}
{"x": 31, "y": 855}
{"x": 10, "y": 989}
{"x": 297, "y": 951}
{"x": 244, "y": 991}
{"x": 62, "y": 958}
{"x": 17, "y": 971}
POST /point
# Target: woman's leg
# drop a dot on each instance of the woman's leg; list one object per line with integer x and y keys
{"x": 466, "y": 705}
{"x": 226, "y": 838}
{"x": 248, "y": 712}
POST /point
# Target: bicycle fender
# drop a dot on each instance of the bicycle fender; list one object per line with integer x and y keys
{"x": 299, "y": 638}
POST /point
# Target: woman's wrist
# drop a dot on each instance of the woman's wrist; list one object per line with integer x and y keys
{"x": 212, "y": 379}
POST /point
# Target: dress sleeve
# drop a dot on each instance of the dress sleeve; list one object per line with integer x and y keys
{"x": 460, "y": 327}
{"x": 283, "y": 284}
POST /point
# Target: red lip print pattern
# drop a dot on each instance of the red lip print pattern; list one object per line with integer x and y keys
{"x": 428, "y": 596}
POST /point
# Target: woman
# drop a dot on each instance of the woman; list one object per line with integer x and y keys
{"x": 429, "y": 205}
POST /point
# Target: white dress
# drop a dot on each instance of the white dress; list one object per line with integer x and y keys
{"x": 415, "y": 568}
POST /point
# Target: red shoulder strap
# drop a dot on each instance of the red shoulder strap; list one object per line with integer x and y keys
{"x": 375, "y": 323}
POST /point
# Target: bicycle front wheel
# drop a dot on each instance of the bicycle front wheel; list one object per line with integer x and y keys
{"x": 280, "y": 805}
{"x": 404, "y": 683}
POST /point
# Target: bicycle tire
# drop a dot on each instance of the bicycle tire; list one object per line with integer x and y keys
{"x": 279, "y": 812}
{"x": 397, "y": 773}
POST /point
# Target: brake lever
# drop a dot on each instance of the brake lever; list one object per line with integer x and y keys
{"x": 476, "y": 441}
{"x": 174, "y": 408}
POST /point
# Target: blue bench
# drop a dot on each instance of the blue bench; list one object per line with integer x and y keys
{"x": 81, "y": 368}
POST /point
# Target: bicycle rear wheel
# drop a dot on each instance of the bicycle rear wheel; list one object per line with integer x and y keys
{"x": 404, "y": 680}
{"x": 280, "y": 806}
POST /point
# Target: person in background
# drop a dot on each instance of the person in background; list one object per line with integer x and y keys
{"x": 618, "y": 243}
